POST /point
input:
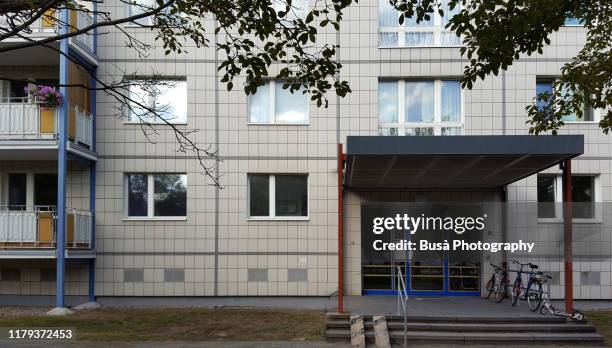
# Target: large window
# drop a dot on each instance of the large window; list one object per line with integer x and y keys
{"x": 167, "y": 100}
{"x": 136, "y": 7}
{"x": 156, "y": 195}
{"x": 274, "y": 104}
{"x": 278, "y": 196}
{"x": 426, "y": 33}
{"x": 431, "y": 107}
{"x": 584, "y": 197}
{"x": 298, "y": 10}
{"x": 545, "y": 85}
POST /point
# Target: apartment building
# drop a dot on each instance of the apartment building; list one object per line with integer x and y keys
{"x": 142, "y": 220}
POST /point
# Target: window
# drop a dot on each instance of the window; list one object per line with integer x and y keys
{"x": 273, "y": 104}
{"x": 571, "y": 21}
{"x": 546, "y": 86}
{"x": 425, "y": 33}
{"x": 584, "y": 197}
{"x": 168, "y": 99}
{"x": 156, "y": 195}
{"x": 278, "y": 196}
{"x": 420, "y": 107}
{"x": 45, "y": 189}
{"x": 17, "y": 191}
{"x": 299, "y": 10}
{"x": 136, "y": 7}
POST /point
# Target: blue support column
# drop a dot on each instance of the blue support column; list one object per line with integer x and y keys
{"x": 61, "y": 166}
{"x": 92, "y": 209}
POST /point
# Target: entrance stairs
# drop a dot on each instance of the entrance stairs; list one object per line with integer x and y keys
{"x": 444, "y": 329}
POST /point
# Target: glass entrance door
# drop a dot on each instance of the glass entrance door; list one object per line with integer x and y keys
{"x": 427, "y": 272}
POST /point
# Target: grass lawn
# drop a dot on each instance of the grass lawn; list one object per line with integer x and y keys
{"x": 603, "y": 321}
{"x": 184, "y": 324}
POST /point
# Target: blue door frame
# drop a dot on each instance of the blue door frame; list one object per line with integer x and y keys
{"x": 446, "y": 291}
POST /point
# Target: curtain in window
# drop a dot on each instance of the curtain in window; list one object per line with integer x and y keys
{"x": 419, "y": 100}
{"x": 419, "y": 39}
{"x": 259, "y": 105}
{"x": 387, "y": 15}
{"x": 451, "y": 101}
{"x": 387, "y": 39}
{"x": 387, "y": 101}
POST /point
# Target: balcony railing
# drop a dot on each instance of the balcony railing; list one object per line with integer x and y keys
{"x": 45, "y": 25}
{"x": 23, "y": 118}
{"x": 36, "y": 227}
{"x": 83, "y": 130}
{"x": 80, "y": 20}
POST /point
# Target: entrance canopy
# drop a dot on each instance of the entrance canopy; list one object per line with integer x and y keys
{"x": 452, "y": 162}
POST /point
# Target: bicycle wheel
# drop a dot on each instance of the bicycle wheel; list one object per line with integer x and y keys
{"x": 490, "y": 287}
{"x": 517, "y": 288}
{"x": 534, "y": 296}
{"x": 500, "y": 293}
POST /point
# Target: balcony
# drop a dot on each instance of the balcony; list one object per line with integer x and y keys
{"x": 22, "y": 118}
{"x": 45, "y": 25}
{"x": 32, "y": 232}
{"x": 80, "y": 20}
{"x": 28, "y": 125}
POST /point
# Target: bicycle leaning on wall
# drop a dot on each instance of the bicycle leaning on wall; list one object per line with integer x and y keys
{"x": 498, "y": 283}
{"x": 533, "y": 292}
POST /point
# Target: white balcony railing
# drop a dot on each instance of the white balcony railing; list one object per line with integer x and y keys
{"x": 36, "y": 227}
{"x": 45, "y": 25}
{"x": 85, "y": 41}
{"x": 22, "y": 118}
{"x": 84, "y": 125}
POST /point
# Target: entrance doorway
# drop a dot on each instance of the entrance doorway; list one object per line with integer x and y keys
{"x": 428, "y": 272}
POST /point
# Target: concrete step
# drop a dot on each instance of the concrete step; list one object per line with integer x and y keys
{"x": 474, "y": 327}
{"x": 478, "y": 337}
{"x": 476, "y": 318}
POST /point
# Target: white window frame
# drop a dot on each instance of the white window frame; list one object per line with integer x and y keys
{"x": 437, "y": 29}
{"x": 272, "y": 199}
{"x": 156, "y": 120}
{"x": 597, "y": 201}
{"x": 272, "y": 103}
{"x": 150, "y": 199}
{"x": 596, "y": 112}
{"x": 437, "y": 123}
{"x": 128, "y": 10}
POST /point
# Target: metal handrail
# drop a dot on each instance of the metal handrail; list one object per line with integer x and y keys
{"x": 402, "y": 298}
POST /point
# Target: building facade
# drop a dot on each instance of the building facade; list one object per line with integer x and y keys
{"x": 143, "y": 220}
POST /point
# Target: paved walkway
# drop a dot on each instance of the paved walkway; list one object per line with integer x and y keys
{"x": 453, "y": 306}
{"x": 208, "y": 344}
{"x": 217, "y": 344}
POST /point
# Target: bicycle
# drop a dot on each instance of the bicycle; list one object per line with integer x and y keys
{"x": 498, "y": 283}
{"x": 533, "y": 292}
{"x": 547, "y": 307}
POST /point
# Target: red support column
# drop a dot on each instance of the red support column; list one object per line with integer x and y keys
{"x": 340, "y": 231}
{"x": 567, "y": 235}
